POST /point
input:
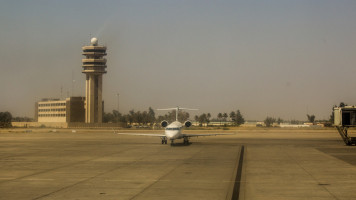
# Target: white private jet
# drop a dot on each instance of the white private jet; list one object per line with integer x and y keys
{"x": 173, "y": 131}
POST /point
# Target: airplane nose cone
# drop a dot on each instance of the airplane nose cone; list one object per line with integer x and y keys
{"x": 172, "y": 134}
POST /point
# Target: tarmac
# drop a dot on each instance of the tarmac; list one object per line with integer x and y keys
{"x": 250, "y": 164}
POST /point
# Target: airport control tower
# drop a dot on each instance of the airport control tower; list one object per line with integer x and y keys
{"x": 94, "y": 67}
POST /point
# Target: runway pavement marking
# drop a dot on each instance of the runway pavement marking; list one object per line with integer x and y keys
{"x": 62, "y": 166}
{"x": 136, "y": 180}
{"x": 157, "y": 180}
{"x": 88, "y": 178}
{"x": 236, "y": 190}
{"x": 312, "y": 176}
{"x": 166, "y": 174}
{"x": 7, "y": 178}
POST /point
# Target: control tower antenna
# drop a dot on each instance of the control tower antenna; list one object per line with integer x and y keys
{"x": 61, "y": 91}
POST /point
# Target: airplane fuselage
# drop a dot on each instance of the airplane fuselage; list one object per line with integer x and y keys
{"x": 174, "y": 131}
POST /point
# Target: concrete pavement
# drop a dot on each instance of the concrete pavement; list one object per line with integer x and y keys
{"x": 277, "y": 164}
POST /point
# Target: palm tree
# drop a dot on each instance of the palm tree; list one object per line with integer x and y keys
{"x": 131, "y": 116}
{"x": 239, "y": 118}
{"x": 196, "y": 118}
{"x": 208, "y": 119}
{"x": 311, "y": 118}
{"x": 220, "y": 116}
{"x": 233, "y": 116}
{"x": 225, "y": 116}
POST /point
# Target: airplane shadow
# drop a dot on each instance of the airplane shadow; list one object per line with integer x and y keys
{"x": 180, "y": 144}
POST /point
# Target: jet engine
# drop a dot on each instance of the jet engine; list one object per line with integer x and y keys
{"x": 187, "y": 124}
{"x": 164, "y": 123}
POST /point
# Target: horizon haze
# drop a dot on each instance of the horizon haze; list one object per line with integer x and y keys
{"x": 273, "y": 58}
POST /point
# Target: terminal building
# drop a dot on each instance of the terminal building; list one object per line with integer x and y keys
{"x": 55, "y": 110}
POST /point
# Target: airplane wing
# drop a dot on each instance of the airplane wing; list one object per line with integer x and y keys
{"x": 143, "y": 134}
{"x": 197, "y": 135}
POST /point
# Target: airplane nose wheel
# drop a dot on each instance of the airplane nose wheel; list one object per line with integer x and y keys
{"x": 186, "y": 141}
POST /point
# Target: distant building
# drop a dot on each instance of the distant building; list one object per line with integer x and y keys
{"x": 56, "y": 110}
{"x": 76, "y": 110}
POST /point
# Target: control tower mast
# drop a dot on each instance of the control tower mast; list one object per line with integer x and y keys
{"x": 94, "y": 67}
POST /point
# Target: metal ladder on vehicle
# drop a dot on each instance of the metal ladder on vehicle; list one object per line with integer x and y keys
{"x": 343, "y": 133}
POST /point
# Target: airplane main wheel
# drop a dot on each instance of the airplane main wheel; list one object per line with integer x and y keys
{"x": 162, "y": 141}
{"x": 165, "y": 141}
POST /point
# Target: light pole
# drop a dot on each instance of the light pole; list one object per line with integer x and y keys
{"x": 117, "y": 109}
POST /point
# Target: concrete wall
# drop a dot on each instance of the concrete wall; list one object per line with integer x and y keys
{"x": 66, "y": 125}
{"x": 39, "y": 124}
{"x": 94, "y": 125}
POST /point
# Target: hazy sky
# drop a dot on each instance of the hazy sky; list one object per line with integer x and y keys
{"x": 267, "y": 58}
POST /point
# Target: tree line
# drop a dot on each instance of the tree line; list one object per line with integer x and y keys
{"x": 143, "y": 118}
{"x": 236, "y": 118}
{"x": 5, "y": 119}
{"x": 269, "y": 121}
{"x": 149, "y": 117}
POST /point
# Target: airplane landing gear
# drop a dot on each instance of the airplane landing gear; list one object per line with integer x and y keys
{"x": 186, "y": 141}
{"x": 164, "y": 140}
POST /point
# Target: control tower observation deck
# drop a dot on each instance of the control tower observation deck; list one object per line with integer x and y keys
{"x": 94, "y": 66}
